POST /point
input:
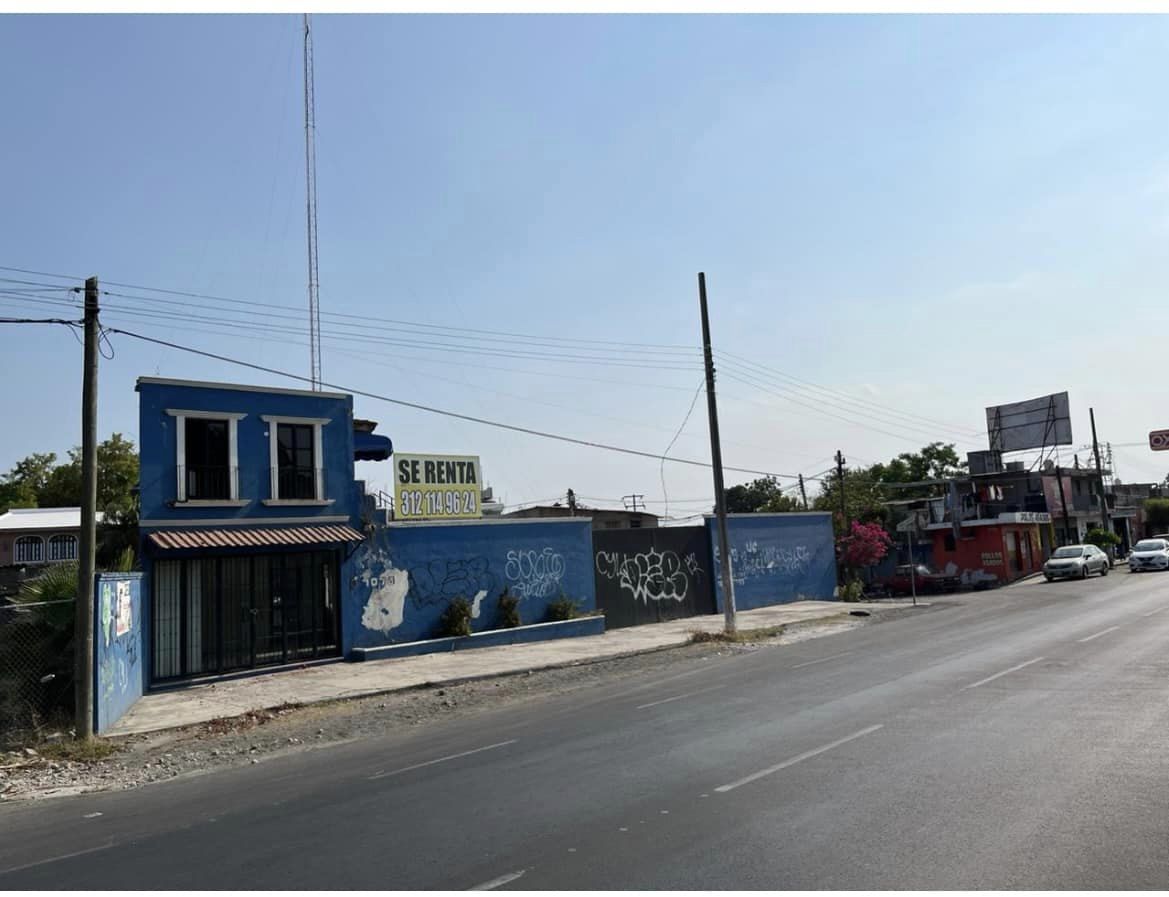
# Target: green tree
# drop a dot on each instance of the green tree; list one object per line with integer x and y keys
{"x": 764, "y": 495}
{"x": 1157, "y": 514}
{"x": 117, "y": 476}
{"x": 21, "y": 486}
{"x": 863, "y": 498}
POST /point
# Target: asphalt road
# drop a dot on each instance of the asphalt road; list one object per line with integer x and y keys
{"x": 1011, "y": 739}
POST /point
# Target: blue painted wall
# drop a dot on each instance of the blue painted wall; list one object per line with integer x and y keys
{"x": 404, "y": 576}
{"x": 776, "y": 558}
{"x": 119, "y": 660}
{"x": 158, "y": 477}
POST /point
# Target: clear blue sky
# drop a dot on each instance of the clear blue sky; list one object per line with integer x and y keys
{"x": 930, "y": 213}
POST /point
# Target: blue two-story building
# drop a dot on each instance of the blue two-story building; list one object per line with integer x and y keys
{"x": 249, "y": 511}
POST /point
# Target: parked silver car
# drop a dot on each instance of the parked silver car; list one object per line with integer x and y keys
{"x": 1149, "y": 554}
{"x": 1076, "y": 560}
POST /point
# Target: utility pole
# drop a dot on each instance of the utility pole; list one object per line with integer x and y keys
{"x": 84, "y": 621}
{"x": 840, "y": 481}
{"x": 912, "y": 565}
{"x": 803, "y": 494}
{"x": 1099, "y": 473}
{"x": 716, "y": 461}
{"x": 1063, "y": 501}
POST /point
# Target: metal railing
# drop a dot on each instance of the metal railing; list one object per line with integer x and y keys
{"x": 36, "y": 669}
{"x": 300, "y": 483}
{"x": 207, "y": 482}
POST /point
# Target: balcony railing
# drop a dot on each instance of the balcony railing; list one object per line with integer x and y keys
{"x": 207, "y": 482}
{"x": 300, "y": 483}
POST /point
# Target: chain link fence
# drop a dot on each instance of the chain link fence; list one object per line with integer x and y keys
{"x": 36, "y": 669}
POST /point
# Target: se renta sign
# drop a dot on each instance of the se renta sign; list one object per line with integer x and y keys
{"x": 1159, "y": 440}
{"x": 437, "y": 487}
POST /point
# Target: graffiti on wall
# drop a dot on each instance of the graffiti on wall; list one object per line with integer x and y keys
{"x": 534, "y": 574}
{"x": 650, "y": 575}
{"x": 120, "y": 654}
{"x": 754, "y": 560}
{"x": 972, "y": 577}
{"x": 435, "y": 583}
{"x": 386, "y": 608}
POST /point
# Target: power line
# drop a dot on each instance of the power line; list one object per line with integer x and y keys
{"x": 233, "y": 304}
{"x": 431, "y": 410}
{"x": 731, "y": 369}
{"x": 776, "y": 373}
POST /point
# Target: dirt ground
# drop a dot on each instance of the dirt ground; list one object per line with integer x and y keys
{"x": 47, "y": 770}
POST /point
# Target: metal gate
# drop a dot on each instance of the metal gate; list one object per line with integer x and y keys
{"x": 651, "y": 575}
{"x": 217, "y": 614}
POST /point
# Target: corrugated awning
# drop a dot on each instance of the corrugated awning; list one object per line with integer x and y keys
{"x": 254, "y": 538}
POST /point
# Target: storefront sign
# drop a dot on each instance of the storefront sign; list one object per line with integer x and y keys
{"x": 992, "y": 559}
{"x": 1159, "y": 440}
{"x": 437, "y": 487}
{"x": 1025, "y": 517}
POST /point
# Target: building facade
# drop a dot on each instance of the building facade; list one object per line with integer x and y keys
{"x": 249, "y": 511}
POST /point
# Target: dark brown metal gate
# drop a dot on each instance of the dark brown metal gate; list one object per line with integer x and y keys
{"x": 651, "y": 575}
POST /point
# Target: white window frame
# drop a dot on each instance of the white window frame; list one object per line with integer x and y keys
{"x": 28, "y": 539}
{"x": 233, "y": 418}
{"x": 73, "y": 540}
{"x": 273, "y": 421}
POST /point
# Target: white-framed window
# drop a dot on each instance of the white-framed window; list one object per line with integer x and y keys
{"x": 63, "y": 547}
{"x": 207, "y": 456}
{"x": 28, "y": 550}
{"x": 296, "y": 459}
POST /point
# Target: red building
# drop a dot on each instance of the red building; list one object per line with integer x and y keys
{"x": 993, "y": 551}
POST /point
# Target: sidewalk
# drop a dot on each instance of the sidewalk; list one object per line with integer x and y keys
{"x": 197, "y": 704}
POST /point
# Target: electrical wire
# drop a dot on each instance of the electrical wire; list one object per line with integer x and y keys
{"x": 431, "y": 410}
{"x": 776, "y": 373}
{"x": 662, "y": 464}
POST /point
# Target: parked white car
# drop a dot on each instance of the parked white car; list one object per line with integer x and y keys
{"x": 1076, "y": 560}
{"x": 1149, "y": 554}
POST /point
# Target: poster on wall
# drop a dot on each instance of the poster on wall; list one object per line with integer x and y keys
{"x": 124, "y": 618}
{"x": 437, "y": 487}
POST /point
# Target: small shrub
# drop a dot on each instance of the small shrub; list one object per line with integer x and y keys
{"x": 1102, "y": 538}
{"x": 509, "y": 611}
{"x": 456, "y": 619}
{"x": 563, "y": 608}
{"x": 853, "y": 590}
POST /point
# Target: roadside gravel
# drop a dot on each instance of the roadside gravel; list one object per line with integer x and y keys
{"x": 143, "y": 759}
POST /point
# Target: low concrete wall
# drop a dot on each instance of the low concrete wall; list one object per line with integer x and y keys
{"x": 537, "y": 632}
{"x": 119, "y": 673}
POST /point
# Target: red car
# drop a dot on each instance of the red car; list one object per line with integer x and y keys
{"x": 927, "y": 581}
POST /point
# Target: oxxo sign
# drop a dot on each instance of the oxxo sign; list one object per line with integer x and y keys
{"x": 1159, "y": 440}
{"x": 437, "y": 487}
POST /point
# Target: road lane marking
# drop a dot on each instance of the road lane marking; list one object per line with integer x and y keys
{"x": 1098, "y": 634}
{"x": 490, "y": 747}
{"x": 57, "y": 859}
{"x": 688, "y": 694}
{"x": 722, "y": 789}
{"x": 808, "y": 663}
{"x": 1150, "y": 613}
{"x": 1003, "y": 673}
{"x": 498, "y": 882}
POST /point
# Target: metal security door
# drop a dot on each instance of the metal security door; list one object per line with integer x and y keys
{"x": 652, "y": 575}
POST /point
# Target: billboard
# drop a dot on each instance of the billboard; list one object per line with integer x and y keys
{"x": 1036, "y": 423}
{"x": 437, "y": 487}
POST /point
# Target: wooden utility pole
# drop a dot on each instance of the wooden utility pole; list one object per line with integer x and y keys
{"x": 84, "y": 620}
{"x": 716, "y": 460}
{"x": 803, "y": 494}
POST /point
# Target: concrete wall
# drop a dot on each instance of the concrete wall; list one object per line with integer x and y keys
{"x": 777, "y": 558}
{"x": 402, "y": 578}
{"x": 119, "y": 642}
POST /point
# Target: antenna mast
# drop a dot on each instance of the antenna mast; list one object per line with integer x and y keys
{"x": 310, "y": 174}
